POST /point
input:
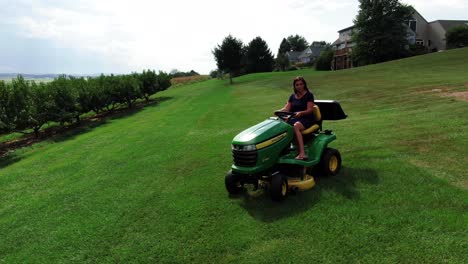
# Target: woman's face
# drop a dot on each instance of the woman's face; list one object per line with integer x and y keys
{"x": 299, "y": 85}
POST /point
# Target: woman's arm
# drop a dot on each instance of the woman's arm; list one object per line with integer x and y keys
{"x": 286, "y": 108}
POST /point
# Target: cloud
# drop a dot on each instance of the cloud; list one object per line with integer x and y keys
{"x": 165, "y": 35}
{"x": 318, "y": 6}
{"x": 452, "y": 4}
{"x": 162, "y": 35}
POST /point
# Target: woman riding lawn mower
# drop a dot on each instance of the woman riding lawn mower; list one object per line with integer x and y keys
{"x": 265, "y": 154}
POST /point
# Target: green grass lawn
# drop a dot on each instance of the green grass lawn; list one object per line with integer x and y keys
{"x": 148, "y": 187}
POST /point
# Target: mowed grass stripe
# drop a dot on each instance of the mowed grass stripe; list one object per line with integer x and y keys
{"x": 149, "y": 187}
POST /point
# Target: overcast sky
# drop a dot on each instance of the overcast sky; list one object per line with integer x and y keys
{"x": 112, "y": 36}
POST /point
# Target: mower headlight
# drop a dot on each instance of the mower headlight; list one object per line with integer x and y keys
{"x": 243, "y": 147}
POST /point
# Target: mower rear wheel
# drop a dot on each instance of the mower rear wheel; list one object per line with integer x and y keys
{"x": 279, "y": 187}
{"x": 330, "y": 164}
{"x": 232, "y": 182}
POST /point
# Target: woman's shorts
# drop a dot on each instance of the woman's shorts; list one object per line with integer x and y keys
{"x": 306, "y": 122}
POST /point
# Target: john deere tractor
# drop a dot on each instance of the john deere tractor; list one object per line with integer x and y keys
{"x": 264, "y": 154}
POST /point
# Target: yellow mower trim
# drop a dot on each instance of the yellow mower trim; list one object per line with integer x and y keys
{"x": 269, "y": 142}
{"x": 301, "y": 185}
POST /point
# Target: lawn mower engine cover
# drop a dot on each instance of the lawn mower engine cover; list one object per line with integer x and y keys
{"x": 258, "y": 148}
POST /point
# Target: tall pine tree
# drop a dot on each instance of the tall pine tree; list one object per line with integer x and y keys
{"x": 259, "y": 57}
{"x": 229, "y": 55}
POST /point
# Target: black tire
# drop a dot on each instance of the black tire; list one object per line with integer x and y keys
{"x": 279, "y": 187}
{"x": 232, "y": 182}
{"x": 330, "y": 164}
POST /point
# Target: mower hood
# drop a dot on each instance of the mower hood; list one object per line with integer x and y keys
{"x": 261, "y": 132}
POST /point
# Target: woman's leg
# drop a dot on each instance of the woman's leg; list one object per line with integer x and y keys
{"x": 298, "y": 127}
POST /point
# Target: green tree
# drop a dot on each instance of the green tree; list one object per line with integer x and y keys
{"x": 164, "y": 81}
{"x": 65, "y": 103}
{"x": 229, "y": 56}
{"x": 457, "y": 37}
{"x": 324, "y": 61}
{"x": 149, "y": 83}
{"x": 84, "y": 94}
{"x": 43, "y": 106}
{"x": 297, "y": 43}
{"x": 284, "y": 47}
{"x": 4, "y": 98}
{"x": 106, "y": 94}
{"x": 282, "y": 62}
{"x": 19, "y": 105}
{"x": 380, "y": 31}
{"x": 127, "y": 89}
{"x": 259, "y": 57}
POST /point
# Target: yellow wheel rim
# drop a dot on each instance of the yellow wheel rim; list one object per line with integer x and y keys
{"x": 284, "y": 189}
{"x": 333, "y": 163}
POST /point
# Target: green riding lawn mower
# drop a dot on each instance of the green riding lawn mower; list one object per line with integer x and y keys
{"x": 264, "y": 155}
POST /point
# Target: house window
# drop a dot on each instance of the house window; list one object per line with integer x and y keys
{"x": 420, "y": 42}
{"x": 412, "y": 25}
{"x": 429, "y": 43}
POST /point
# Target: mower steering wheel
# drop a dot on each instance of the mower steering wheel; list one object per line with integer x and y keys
{"x": 284, "y": 115}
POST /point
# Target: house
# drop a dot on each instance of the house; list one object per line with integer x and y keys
{"x": 430, "y": 35}
{"x": 293, "y": 56}
{"x": 343, "y": 47}
{"x": 309, "y": 55}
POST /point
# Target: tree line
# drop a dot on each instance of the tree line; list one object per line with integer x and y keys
{"x": 27, "y": 105}
{"x": 235, "y": 58}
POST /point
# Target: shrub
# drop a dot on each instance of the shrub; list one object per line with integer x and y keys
{"x": 457, "y": 37}
{"x": 323, "y": 63}
{"x": 304, "y": 64}
{"x": 214, "y": 74}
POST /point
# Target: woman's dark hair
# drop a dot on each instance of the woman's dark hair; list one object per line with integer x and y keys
{"x": 300, "y": 78}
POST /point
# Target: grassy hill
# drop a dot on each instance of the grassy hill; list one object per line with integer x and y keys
{"x": 149, "y": 186}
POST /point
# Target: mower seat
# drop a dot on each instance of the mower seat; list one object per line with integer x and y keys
{"x": 318, "y": 122}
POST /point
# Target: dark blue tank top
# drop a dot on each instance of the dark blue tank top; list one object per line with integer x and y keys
{"x": 300, "y": 104}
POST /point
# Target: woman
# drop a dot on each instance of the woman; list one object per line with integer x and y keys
{"x": 301, "y": 103}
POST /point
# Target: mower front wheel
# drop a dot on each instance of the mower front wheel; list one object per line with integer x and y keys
{"x": 279, "y": 187}
{"x": 330, "y": 164}
{"x": 232, "y": 182}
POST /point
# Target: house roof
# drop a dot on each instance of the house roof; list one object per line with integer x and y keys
{"x": 336, "y": 42}
{"x": 316, "y": 50}
{"x": 293, "y": 55}
{"x": 448, "y": 24}
{"x": 346, "y": 29}
{"x": 416, "y": 11}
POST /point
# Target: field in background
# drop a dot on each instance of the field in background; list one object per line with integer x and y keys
{"x": 189, "y": 79}
{"x": 148, "y": 187}
{"x": 29, "y": 79}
